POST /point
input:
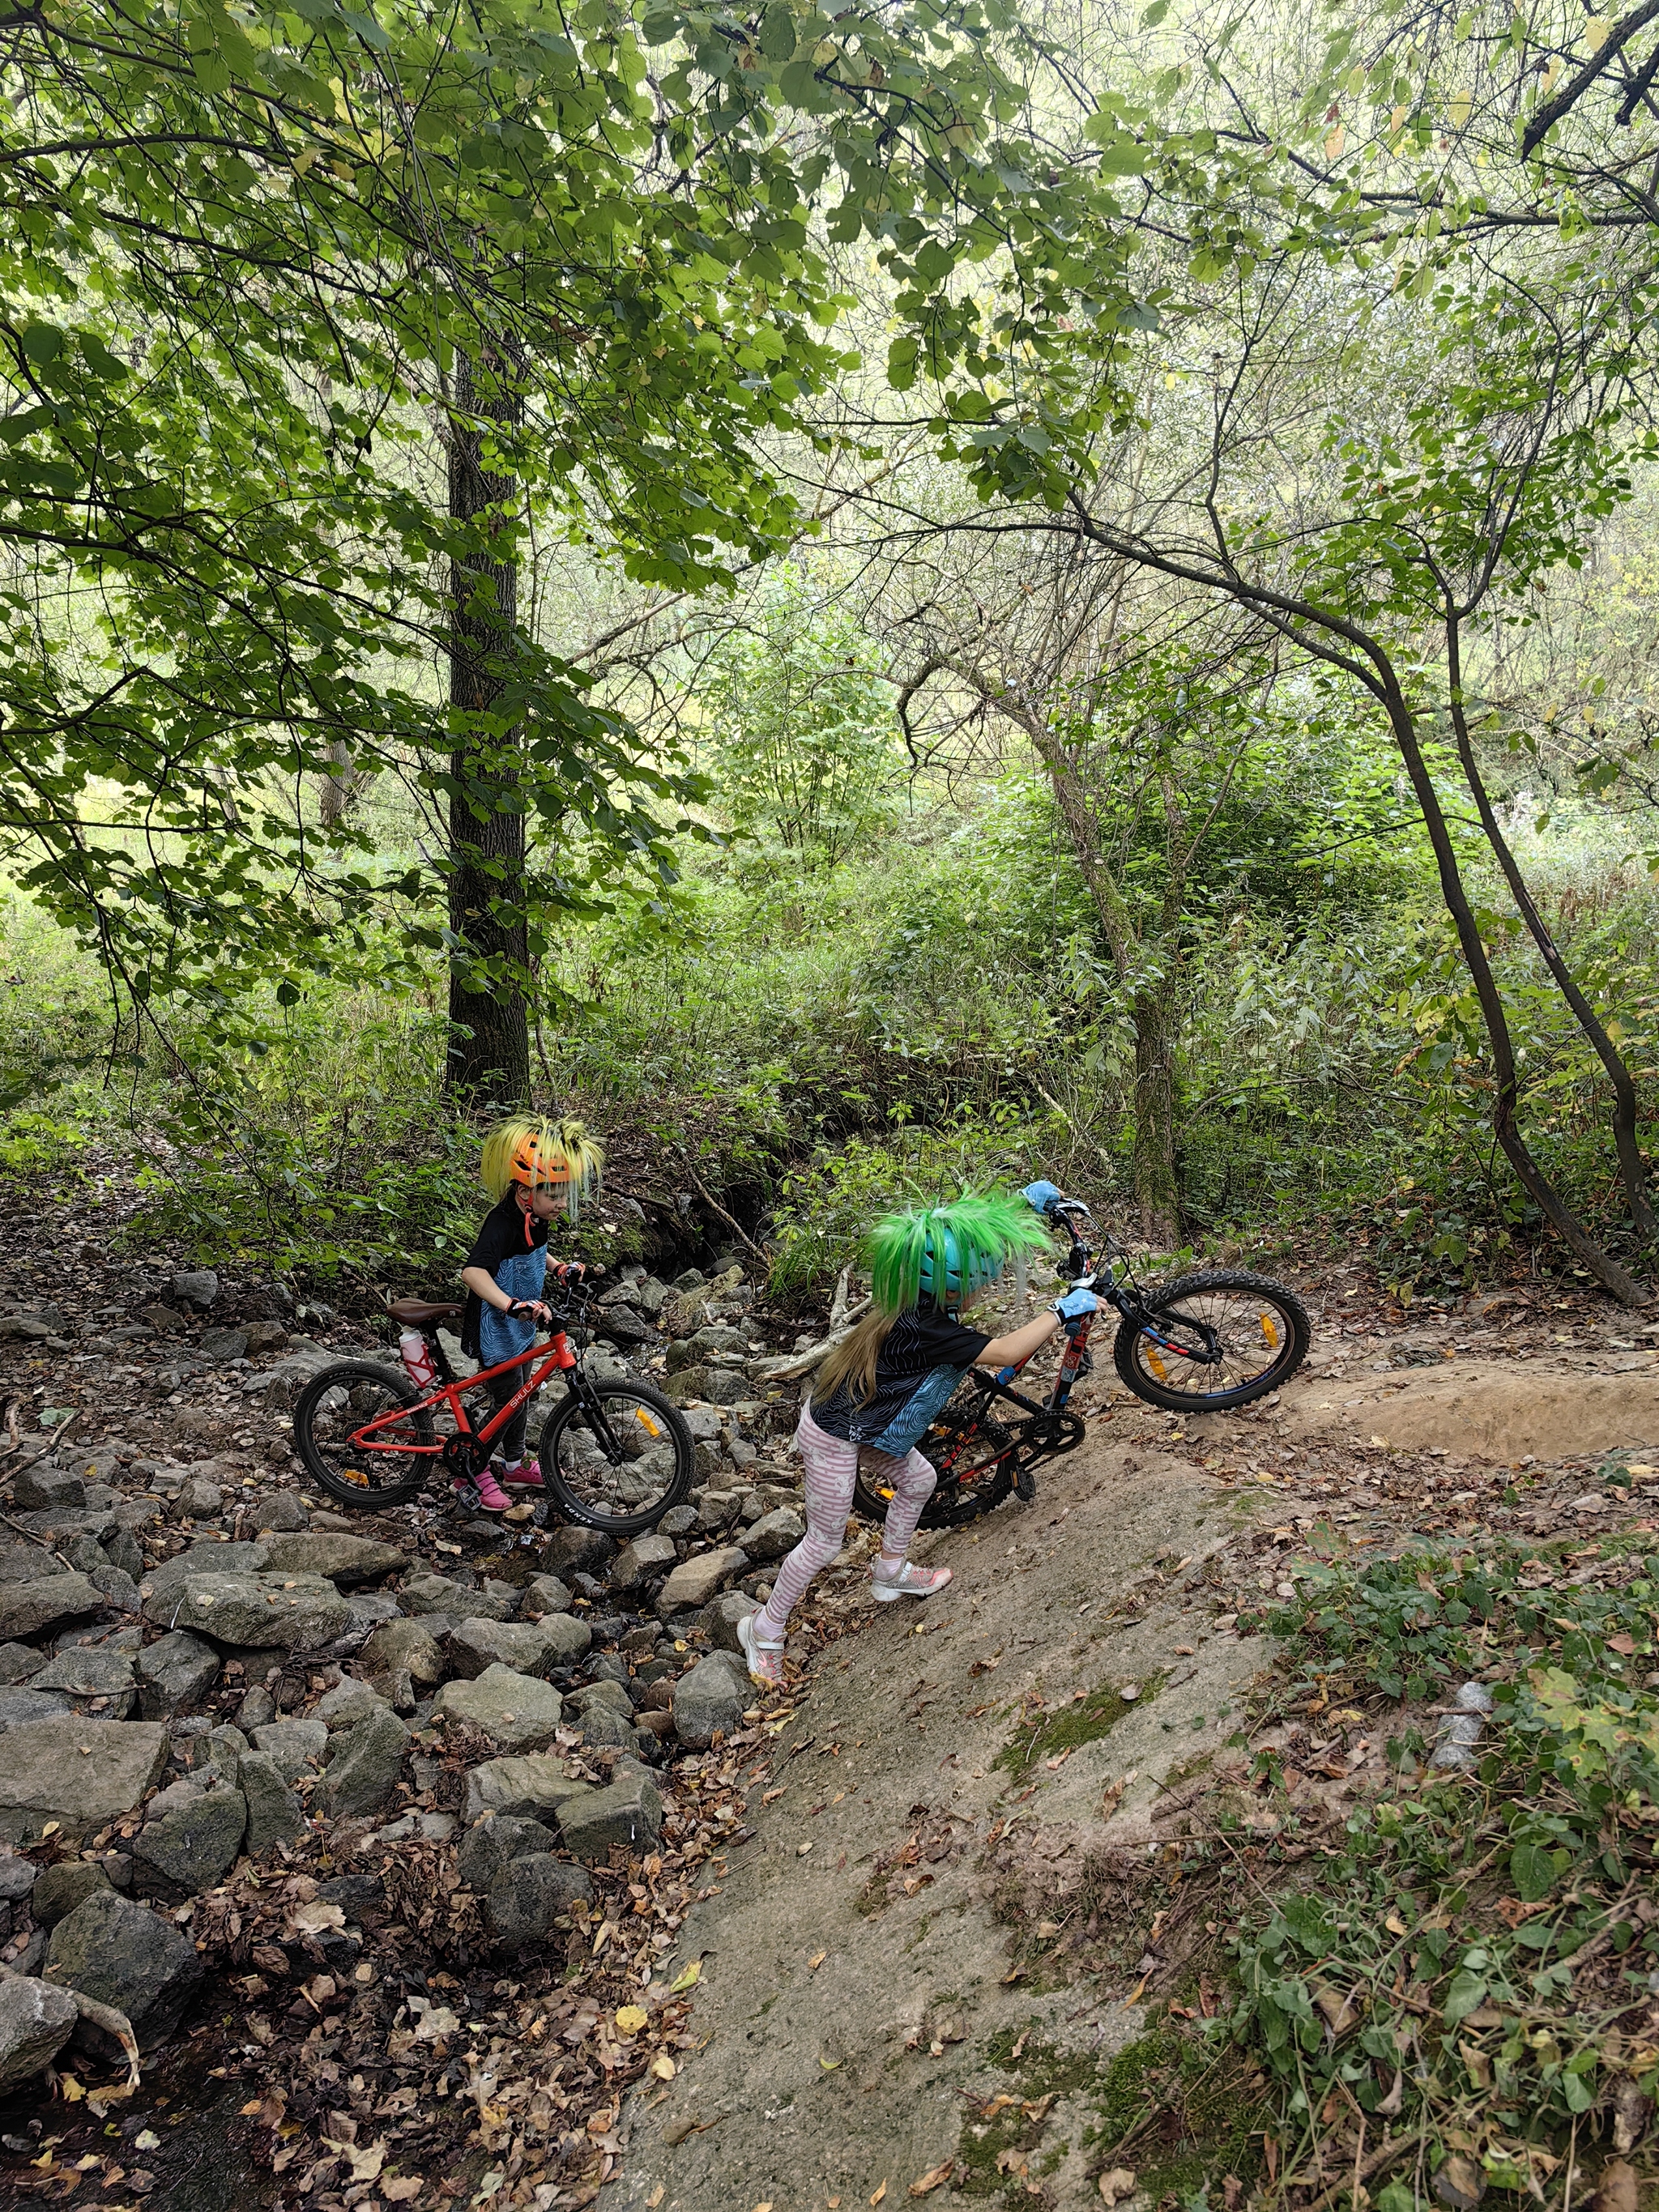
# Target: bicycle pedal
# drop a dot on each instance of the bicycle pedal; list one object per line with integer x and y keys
{"x": 1026, "y": 1484}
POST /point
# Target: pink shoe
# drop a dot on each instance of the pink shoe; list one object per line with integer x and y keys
{"x": 910, "y": 1581}
{"x": 527, "y": 1475}
{"x": 764, "y": 1661}
{"x": 491, "y": 1496}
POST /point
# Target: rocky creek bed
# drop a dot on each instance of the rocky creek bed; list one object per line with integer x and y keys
{"x": 434, "y": 1860}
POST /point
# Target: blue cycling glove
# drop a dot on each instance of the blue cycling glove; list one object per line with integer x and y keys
{"x": 1041, "y": 1196}
{"x": 1075, "y": 1304}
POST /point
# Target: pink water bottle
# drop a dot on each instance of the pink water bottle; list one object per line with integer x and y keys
{"x": 416, "y": 1354}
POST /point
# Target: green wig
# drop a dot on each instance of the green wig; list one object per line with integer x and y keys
{"x": 947, "y": 1252}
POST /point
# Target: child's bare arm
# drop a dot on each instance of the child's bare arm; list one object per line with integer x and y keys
{"x": 1020, "y": 1343}
{"x": 484, "y": 1283}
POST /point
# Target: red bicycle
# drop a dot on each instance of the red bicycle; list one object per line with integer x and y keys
{"x": 615, "y": 1455}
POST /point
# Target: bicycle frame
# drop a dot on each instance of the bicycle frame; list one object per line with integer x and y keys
{"x": 451, "y": 1393}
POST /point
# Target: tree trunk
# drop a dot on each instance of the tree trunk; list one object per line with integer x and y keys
{"x": 1531, "y": 1177}
{"x": 1631, "y": 1167}
{"x": 488, "y": 1056}
{"x": 1157, "y": 1189}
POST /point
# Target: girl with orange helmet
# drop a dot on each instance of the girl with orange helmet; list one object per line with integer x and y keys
{"x": 535, "y": 1169}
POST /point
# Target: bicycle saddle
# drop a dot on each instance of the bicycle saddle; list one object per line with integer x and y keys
{"x": 414, "y": 1313}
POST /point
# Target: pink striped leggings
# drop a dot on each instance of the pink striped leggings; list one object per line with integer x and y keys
{"x": 831, "y": 1469}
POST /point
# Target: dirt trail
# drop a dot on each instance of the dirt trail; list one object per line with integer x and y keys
{"x": 858, "y": 1998}
{"x": 848, "y": 2032}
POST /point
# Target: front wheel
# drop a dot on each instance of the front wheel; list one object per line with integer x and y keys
{"x": 1207, "y": 1342}
{"x": 357, "y": 1442}
{"x": 616, "y": 1456}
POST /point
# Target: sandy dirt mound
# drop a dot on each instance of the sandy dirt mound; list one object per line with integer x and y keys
{"x": 1494, "y": 1410}
{"x": 855, "y": 1971}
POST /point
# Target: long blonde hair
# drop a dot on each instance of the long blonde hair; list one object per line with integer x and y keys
{"x": 854, "y": 1360}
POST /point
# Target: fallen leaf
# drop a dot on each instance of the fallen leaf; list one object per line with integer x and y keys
{"x": 1117, "y": 2185}
{"x": 935, "y": 2178}
{"x": 1624, "y": 1644}
{"x": 632, "y": 2018}
{"x": 402, "y": 2190}
{"x": 437, "y": 2022}
{"x": 801, "y": 1849}
{"x": 687, "y": 1980}
{"x": 1616, "y": 2191}
{"x": 656, "y": 2197}
{"x": 312, "y": 1919}
{"x": 1012, "y": 2161}
{"x": 69, "y": 2089}
{"x": 816, "y": 1961}
{"x": 147, "y": 2139}
{"x": 662, "y": 2066}
{"x": 879, "y": 2194}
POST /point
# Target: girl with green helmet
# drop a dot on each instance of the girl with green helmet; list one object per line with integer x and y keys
{"x": 886, "y": 1382}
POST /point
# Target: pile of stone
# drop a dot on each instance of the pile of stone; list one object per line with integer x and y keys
{"x": 195, "y": 1672}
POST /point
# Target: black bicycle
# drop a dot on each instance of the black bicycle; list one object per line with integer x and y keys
{"x": 1202, "y": 1344}
{"x": 614, "y": 1455}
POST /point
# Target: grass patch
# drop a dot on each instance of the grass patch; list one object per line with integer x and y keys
{"x": 1084, "y": 1720}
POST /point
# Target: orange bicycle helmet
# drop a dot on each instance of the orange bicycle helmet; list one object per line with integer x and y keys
{"x": 538, "y": 1153}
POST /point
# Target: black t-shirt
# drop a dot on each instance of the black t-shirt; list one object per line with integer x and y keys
{"x": 925, "y": 1355}
{"x": 512, "y": 1244}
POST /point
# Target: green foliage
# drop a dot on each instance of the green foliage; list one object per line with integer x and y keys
{"x": 802, "y": 736}
{"x": 287, "y": 240}
{"x": 1460, "y": 1965}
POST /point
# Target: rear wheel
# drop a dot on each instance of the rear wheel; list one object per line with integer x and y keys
{"x": 389, "y": 1465}
{"x": 974, "y": 1456}
{"x": 617, "y": 1457}
{"x": 1257, "y": 1337}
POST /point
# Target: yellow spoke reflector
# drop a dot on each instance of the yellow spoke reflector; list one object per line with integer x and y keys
{"x": 1269, "y": 1331}
{"x": 1156, "y": 1364}
{"x": 646, "y": 1422}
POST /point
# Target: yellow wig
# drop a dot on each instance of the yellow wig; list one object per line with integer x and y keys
{"x": 532, "y": 1151}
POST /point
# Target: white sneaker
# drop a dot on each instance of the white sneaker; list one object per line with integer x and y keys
{"x": 910, "y": 1581}
{"x": 765, "y": 1660}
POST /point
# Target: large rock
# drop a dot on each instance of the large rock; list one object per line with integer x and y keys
{"x": 605, "y": 1692}
{"x": 403, "y": 1647}
{"x": 200, "y": 1499}
{"x": 81, "y": 1773}
{"x": 293, "y": 1747}
{"x": 711, "y": 1698}
{"x": 62, "y": 1887}
{"x": 19, "y": 1708}
{"x": 345, "y": 1560}
{"x": 36, "y": 2022}
{"x": 637, "y": 1562}
{"x": 721, "y": 1619}
{"x": 603, "y": 1724}
{"x": 173, "y": 1574}
{"x": 433, "y": 1594}
{"x": 773, "y": 1534}
{"x": 348, "y": 1702}
{"x": 695, "y": 1581}
{"x": 629, "y": 1812}
{"x": 124, "y": 1954}
{"x": 577, "y": 1551}
{"x": 192, "y": 1844}
{"x": 49, "y": 1602}
{"x": 494, "y": 1843}
{"x": 568, "y": 1637}
{"x": 274, "y": 1814}
{"x": 280, "y": 1510}
{"x": 544, "y": 1593}
{"x": 296, "y": 1612}
{"x": 197, "y": 1287}
{"x": 522, "y": 1787}
{"x": 524, "y": 1648}
{"x": 19, "y": 1660}
{"x": 221, "y": 1345}
{"x": 40, "y": 1488}
{"x": 85, "y": 1672}
{"x": 517, "y": 1712}
{"x": 174, "y": 1674}
{"x": 364, "y": 1764}
{"x": 528, "y": 1896}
